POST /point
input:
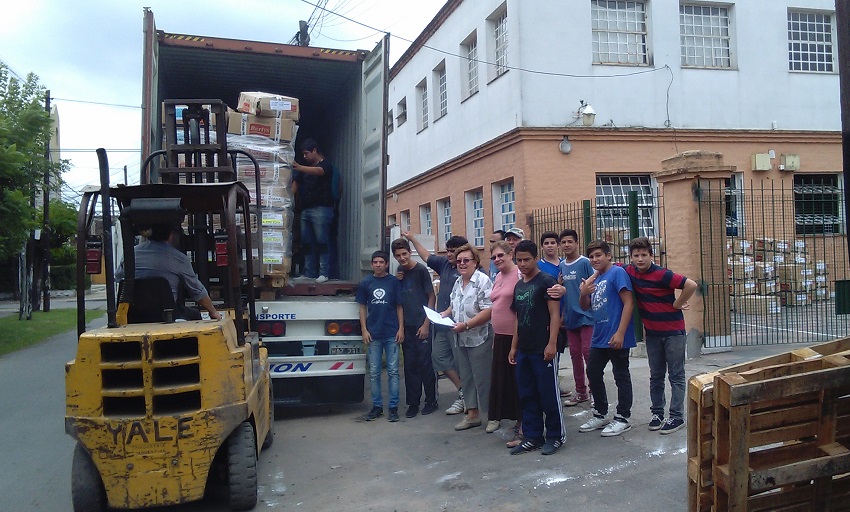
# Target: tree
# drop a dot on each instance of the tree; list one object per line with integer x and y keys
{"x": 24, "y": 132}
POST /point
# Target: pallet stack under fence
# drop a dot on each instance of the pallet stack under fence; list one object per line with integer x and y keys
{"x": 772, "y": 434}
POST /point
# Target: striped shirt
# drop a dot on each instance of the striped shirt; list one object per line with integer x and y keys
{"x": 654, "y": 290}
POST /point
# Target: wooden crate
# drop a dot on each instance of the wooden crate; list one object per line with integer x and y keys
{"x": 701, "y": 419}
{"x": 777, "y": 442}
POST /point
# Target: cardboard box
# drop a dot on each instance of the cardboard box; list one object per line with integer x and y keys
{"x": 767, "y": 286}
{"x": 797, "y": 298}
{"x": 741, "y": 270}
{"x": 758, "y": 305}
{"x": 265, "y": 104}
{"x": 764, "y": 270}
{"x": 743, "y": 246}
{"x": 744, "y": 287}
{"x": 269, "y": 127}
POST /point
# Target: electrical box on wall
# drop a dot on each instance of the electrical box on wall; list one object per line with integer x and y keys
{"x": 761, "y": 162}
{"x": 789, "y": 163}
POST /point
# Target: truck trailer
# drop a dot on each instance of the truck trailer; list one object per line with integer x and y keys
{"x": 312, "y": 330}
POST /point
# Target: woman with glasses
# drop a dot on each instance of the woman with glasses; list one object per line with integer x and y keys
{"x": 504, "y": 398}
{"x": 470, "y": 309}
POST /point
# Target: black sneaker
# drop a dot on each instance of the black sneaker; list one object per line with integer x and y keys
{"x": 412, "y": 411}
{"x": 551, "y": 446}
{"x": 672, "y": 425}
{"x": 429, "y": 408}
{"x": 375, "y": 413}
{"x": 525, "y": 446}
{"x": 393, "y": 417}
{"x": 656, "y": 422}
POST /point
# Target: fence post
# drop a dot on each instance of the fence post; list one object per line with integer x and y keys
{"x": 634, "y": 232}
{"x": 687, "y": 179}
{"x": 585, "y": 222}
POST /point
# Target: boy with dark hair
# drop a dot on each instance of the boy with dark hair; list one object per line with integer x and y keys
{"x": 577, "y": 322}
{"x": 664, "y": 323}
{"x": 379, "y": 296}
{"x": 416, "y": 291}
{"x": 313, "y": 182}
{"x": 608, "y": 293}
{"x": 549, "y": 262}
{"x": 533, "y": 351}
{"x": 444, "y": 343}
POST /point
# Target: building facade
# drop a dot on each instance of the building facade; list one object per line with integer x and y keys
{"x": 501, "y": 106}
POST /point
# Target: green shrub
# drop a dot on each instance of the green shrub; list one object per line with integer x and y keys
{"x": 64, "y": 277}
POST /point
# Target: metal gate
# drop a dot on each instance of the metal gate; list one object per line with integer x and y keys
{"x": 784, "y": 264}
{"x": 617, "y": 220}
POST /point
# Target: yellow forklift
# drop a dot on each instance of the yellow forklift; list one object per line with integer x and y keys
{"x": 162, "y": 409}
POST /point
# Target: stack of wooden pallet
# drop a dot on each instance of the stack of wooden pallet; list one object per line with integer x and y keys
{"x": 772, "y": 434}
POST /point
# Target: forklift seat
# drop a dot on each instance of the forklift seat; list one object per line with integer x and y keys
{"x": 151, "y": 297}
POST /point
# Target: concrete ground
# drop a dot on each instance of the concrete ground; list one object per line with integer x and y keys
{"x": 329, "y": 458}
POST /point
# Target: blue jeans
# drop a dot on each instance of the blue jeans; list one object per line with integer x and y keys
{"x": 315, "y": 235}
{"x": 666, "y": 356}
{"x": 390, "y": 347}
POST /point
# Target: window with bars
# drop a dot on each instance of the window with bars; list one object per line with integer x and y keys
{"x": 475, "y": 217}
{"x": 425, "y": 220}
{"x": 469, "y": 48}
{"x": 444, "y": 208}
{"x": 442, "y": 96}
{"x": 705, "y": 36}
{"x": 405, "y": 220}
{"x": 500, "y": 35}
{"x": 818, "y": 205}
{"x": 422, "y": 95}
{"x": 503, "y": 205}
{"x": 401, "y": 112}
{"x": 619, "y": 32}
{"x": 811, "y": 42}
{"x": 612, "y": 203}
{"x": 735, "y": 205}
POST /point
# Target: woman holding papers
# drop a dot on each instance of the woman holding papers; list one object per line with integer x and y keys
{"x": 470, "y": 309}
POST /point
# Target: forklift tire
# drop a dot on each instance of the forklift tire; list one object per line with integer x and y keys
{"x": 242, "y": 467}
{"x": 87, "y": 492}
{"x": 267, "y": 442}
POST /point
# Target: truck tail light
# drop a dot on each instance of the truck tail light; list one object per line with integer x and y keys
{"x": 271, "y": 328}
{"x": 94, "y": 256}
{"x": 342, "y": 327}
{"x": 221, "y": 259}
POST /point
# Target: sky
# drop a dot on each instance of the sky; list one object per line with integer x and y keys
{"x": 88, "y": 53}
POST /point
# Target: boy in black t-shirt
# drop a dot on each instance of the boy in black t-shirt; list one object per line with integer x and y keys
{"x": 533, "y": 351}
{"x": 416, "y": 291}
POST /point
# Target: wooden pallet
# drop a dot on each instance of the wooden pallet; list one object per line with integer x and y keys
{"x": 777, "y": 442}
{"x": 701, "y": 418}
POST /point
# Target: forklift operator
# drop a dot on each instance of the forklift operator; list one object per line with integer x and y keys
{"x": 157, "y": 257}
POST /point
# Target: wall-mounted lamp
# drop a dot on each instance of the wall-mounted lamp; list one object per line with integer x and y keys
{"x": 565, "y": 146}
{"x": 395, "y": 197}
{"x": 588, "y": 115}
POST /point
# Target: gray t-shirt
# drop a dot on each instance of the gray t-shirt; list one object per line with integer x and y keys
{"x": 415, "y": 287}
{"x": 160, "y": 259}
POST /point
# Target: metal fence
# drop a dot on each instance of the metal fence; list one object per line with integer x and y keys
{"x": 617, "y": 220}
{"x": 774, "y": 259}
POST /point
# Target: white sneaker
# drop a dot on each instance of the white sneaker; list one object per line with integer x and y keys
{"x": 457, "y": 407}
{"x": 322, "y": 279}
{"x": 594, "y": 423}
{"x": 616, "y": 427}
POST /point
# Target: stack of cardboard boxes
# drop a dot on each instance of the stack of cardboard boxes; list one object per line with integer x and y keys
{"x": 264, "y": 126}
{"x": 766, "y": 274}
